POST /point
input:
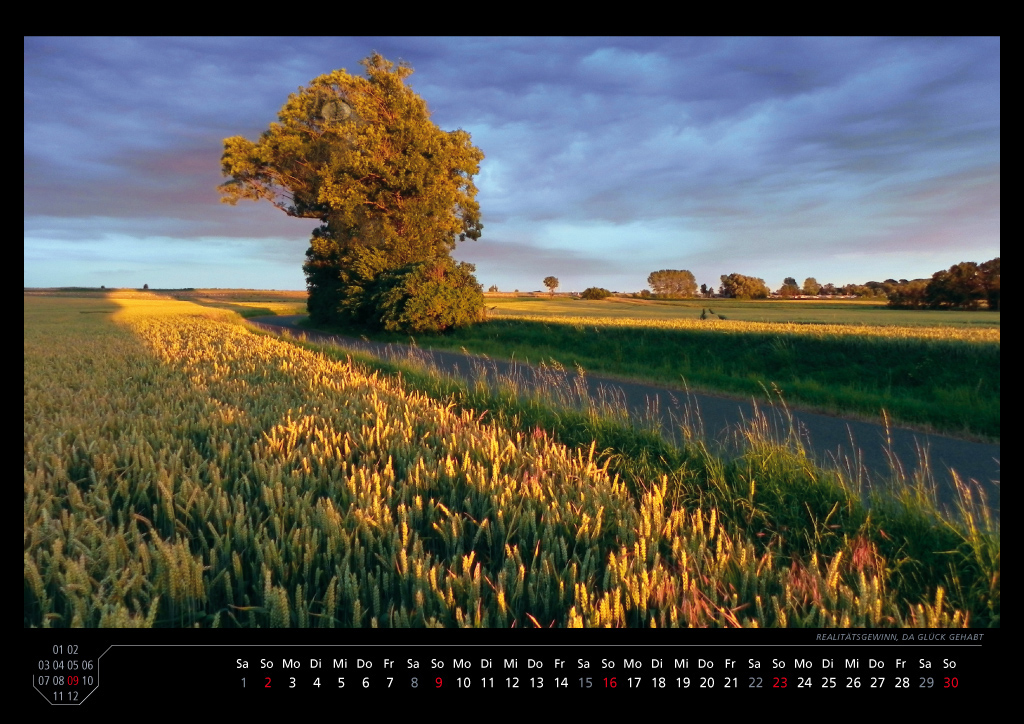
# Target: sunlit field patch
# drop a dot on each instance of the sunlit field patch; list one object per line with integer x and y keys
{"x": 693, "y": 321}
{"x": 803, "y": 311}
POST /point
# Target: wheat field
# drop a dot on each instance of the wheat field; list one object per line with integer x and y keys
{"x": 982, "y": 335}
{"x": 182, "y": 471}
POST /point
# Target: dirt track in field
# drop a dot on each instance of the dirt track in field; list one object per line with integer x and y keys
{"x": 853, "y": 445}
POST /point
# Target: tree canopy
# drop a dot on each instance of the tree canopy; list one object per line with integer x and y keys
{"x": 743, "y": 287}
{"x": 789, "y": 288}
{"x": 673, "y": 283}
{"x": 595, "y": 293}
{"x": 811, "y": 287}
{"x": 361, "y": 155}
{"x": 429, "y": 296}
{"x": 551, "y": 283}
{"x": 962, "y": 286}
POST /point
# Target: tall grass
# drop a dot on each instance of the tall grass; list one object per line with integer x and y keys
{"x": 182, "y": 471}
{"x": 944, "y": 379}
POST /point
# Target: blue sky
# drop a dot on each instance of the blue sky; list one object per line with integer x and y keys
{"x": 845, "y": 159}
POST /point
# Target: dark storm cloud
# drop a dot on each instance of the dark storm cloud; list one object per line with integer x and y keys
{"x": 754, "y": 148}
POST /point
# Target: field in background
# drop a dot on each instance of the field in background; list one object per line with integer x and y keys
{"x": 802, "y": 311}
{"x": 182, "y": 470}
{"x": 246, "y": 302}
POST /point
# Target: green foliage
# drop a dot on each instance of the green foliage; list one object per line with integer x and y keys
{"x": 324, "y": 262}
{"x": 357, "y": 277}
{"x": 962, "y": 286}
{"x": 990, "y": 274}
{"x": 909, "y": 296}
{"x": 595, "y": 293}
{"x": 427, "y": 297}
{"x": 871, "y": 289}
{"x": 743, "y": 287}
{"x": 811, "y": 287}
{"x": 789, "y": 288}
{"x": 363, "y": 157}
{"x": 673, "y": 283}
{"x": 551, "y": 283}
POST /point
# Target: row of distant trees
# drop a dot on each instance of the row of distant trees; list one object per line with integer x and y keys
{"x": 680, "y": 283}
{"x": 962, "y": 286}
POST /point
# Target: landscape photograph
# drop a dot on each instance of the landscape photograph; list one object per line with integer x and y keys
{"x": 500, "y": 333}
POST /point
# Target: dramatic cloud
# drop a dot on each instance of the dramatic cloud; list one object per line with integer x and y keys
{"x": 845, "y": 159}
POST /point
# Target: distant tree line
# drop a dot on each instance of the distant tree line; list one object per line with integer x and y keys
{"x": 810, "y": 288}
{"x": 963, "y": 286}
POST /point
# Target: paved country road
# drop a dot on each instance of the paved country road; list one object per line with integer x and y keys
{"x": 832, "y": 440}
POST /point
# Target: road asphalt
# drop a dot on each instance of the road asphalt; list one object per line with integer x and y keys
{"x": 865, "y": 449}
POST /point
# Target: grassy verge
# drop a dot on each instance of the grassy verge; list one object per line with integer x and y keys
{"x": 946, "y": 385}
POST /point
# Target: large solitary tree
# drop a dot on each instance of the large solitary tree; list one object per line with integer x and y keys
{"x": 360, "y": 154}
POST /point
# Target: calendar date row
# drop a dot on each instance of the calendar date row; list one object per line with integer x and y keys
{"x": 601, "y": 682}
